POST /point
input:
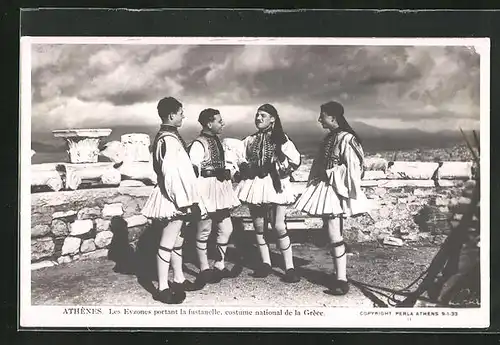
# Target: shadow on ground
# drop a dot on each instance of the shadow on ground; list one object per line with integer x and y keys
{"x": 374, "y": 270}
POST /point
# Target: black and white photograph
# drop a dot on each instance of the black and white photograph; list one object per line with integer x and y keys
{"x": 254, "y": 182}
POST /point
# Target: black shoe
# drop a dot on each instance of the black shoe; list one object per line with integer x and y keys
{"x": 340, "y": 288}
{"x": 291, "y": 276}
{"x": 235, "y": 271}
{"x": 218, "y": 275}
{"x": 262, "y": 271}
{"x": 168, "y": 296}
{"x": 186, "y": 285}
{"x": 203, "y": 278}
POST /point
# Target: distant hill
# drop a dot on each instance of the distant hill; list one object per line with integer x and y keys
{"x": 306, "y": 135}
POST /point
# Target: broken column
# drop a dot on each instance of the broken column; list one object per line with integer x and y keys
{"x": 83, "y": 144}
{"x": 136, "y": 147}
{"x": 137, "y": 160}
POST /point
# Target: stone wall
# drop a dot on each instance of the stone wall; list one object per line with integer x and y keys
{"x": 71, "y": 225}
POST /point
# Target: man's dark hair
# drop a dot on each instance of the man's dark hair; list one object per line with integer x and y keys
{"x": 207, "y": 116}
{"x": 336, "y": 110}
{"x": 167, "y": 106}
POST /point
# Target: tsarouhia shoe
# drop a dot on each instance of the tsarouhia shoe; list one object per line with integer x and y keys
{"x": 262, "y": 271}
{"x": 203, "y": 278}
{"x": 339, "y": 288}
{"x": 170, "y": 297}
{"x": 186, "y": 285}
{"x": 291, "y": 276}
{"x": 218, "y": 275}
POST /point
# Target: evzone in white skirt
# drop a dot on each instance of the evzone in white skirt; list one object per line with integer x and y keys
{"x": 260, "y": 190}
{"x": 214, "y": 194}
{"x": 179, "y": 193}
{"x": 339, "y": 192}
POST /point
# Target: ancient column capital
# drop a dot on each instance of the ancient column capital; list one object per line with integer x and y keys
{"x": 83, "y": 144}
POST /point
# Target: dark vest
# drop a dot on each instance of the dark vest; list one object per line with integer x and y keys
{"x": 261, "y": 150}
{"x": 164, "y": 131}
{"x": 214, "y": 152}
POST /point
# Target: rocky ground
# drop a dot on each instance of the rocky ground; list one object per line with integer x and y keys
{"x": 376, "y": 271}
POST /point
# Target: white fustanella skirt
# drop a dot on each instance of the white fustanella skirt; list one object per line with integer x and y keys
{"x": 160, "y": 207}
{"x": 321, "y": 199}
{"x": 260, "y": 191}
{"x": 216, "y": 195}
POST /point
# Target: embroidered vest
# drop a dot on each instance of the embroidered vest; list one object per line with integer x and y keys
{"x": 260, "y": 150}
{"x": 214, "y": 152}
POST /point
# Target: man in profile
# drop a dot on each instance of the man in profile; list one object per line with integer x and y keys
{"x": 172, "y": 199}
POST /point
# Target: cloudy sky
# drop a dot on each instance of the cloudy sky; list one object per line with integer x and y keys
{"x": 82, "y": 86}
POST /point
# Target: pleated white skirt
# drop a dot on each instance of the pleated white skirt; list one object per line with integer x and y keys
{"x": 159, "y": 207}
{"x": 216, "y": 195}
{"x": 260, "y": 191}
{"x": 320, "y": 199}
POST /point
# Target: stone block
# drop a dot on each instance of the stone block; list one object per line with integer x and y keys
{"x": 89, "y": 213}
{"x": 99, "y": 253}
{"x": 412, "y": 170}
{"x": 136, "y": 147}
{"x": 132, "y": 183}
{"x": 136, "y": 220}
{"x": 87, "y": 246}
{"x": 40, "y": 218}
{"x": 112, "y": 210}
{"x": 103, "y": 238}
{"x": 59, "y": 228}
{"x": 455, "y": 170}
{"x": 40, "y": 230}
{"x": 374, "y": 175}
{"x": 68, "y": 215}
{"x": 64, "y": 259}
{"x": 80, "y": 227}
{"x": 102, "y": 224}
{"x": 111, "y": 177}
{"x": 42, "y": 264}
{"x": 71, "y": 245}
{"x": 42, "y": 248}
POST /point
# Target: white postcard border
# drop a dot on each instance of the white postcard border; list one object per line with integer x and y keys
{"x": 59, "y": 316}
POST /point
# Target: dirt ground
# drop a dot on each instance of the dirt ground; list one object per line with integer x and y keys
{"x": 372, "y": 269}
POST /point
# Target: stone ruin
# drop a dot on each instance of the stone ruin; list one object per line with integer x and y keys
{"x": 73, "y": 203}
{"x": 130, "y": 160}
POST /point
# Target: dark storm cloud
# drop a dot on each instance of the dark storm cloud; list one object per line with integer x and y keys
{"x": 387, "y": 82}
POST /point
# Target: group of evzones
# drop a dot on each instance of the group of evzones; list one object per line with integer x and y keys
{"x": 194, "y": 183}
